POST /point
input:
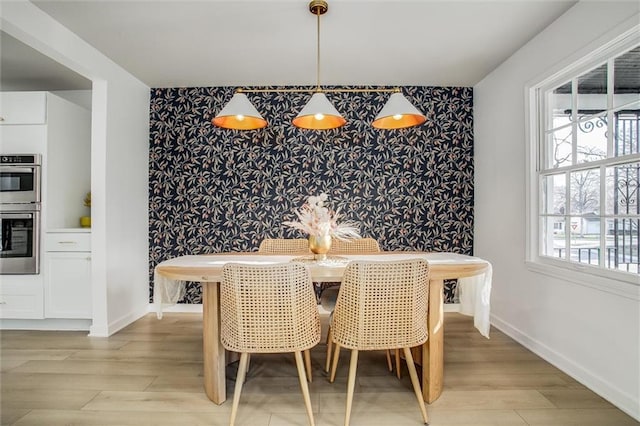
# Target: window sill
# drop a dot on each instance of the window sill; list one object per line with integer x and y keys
{"x": 618, "y": 283}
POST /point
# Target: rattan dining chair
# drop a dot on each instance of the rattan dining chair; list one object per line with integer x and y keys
{"x": 381, "y": 305}
{"x": 288, "y": 246}
{"x": 329, "y": 295}
{"x": 284, "y": 246}
{"x": 357, "y": 245}
{"x": 268, "y": 309}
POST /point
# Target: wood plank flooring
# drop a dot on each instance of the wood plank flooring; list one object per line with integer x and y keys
{"x": 151, "y": 374}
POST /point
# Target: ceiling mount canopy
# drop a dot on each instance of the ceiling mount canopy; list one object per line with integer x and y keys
{"x": 318, "y": 113}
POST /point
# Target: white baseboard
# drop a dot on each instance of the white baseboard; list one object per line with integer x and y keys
{"x": 99, "y": 331}
{"x": 602, "y": 387}
{"x": 117, "y": 325}
{"x": 180, "y": 307}
{"x": 49, "y": 324}
{"x": 451, "y": 307}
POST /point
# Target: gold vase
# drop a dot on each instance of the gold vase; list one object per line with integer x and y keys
{"x": 320, "y": 245}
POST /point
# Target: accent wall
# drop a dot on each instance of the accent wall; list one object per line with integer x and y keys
{"x": 215, "y": 190}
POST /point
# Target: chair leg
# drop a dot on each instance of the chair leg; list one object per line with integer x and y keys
{"x": 329, "y": 347}
{"x": 307, "y": 365}
{"x": 248, "y": 367}
{"x": 242, "y": 371}
{"x": 334, "y": 362}
{"x": 353, "y": 366}
{"x": 389, "y": 365}
{"x": 416, "y": 383}
{"x": 304, "y": 386}
{"x": 398, "y": 366}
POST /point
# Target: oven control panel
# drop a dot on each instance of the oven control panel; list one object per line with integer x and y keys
{"x": 24, "y": 159}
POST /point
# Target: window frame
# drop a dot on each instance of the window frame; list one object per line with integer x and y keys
{"x": 537, "y": 143}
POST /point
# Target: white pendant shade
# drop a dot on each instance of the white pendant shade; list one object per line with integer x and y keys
{"x": 319, "y": 114}
{"x": 239, "y": 114}
{"x": 398, "y": 113}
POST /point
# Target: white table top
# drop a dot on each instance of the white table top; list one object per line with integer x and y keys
{"x": 473, "y": 274}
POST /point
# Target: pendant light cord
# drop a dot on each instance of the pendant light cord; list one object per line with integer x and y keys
{"x": 318, "y": 50}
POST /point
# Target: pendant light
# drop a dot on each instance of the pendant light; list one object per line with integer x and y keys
{"x": 319, "y": 113}
{"x": 398, "y": 113}
{"x": 239, "y": 114}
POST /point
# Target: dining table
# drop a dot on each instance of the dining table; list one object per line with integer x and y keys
{"x": 474, "y": 277}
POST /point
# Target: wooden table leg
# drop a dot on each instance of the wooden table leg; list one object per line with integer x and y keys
{"x": 213, "y": 351}
{"x": 433, "y": 349}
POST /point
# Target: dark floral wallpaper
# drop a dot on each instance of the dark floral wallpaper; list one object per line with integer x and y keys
{"x": 215, "y": 190}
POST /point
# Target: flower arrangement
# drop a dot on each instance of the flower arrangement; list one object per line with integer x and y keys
{"x": 317, "y": 220}
{"x": 85, "y": 221}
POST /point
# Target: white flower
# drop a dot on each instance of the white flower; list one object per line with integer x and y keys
{"x": 316, "y": 219}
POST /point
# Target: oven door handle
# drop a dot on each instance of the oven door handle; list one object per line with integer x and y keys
{"x": 14, "y": 169}
{"x": 16, "y": 215}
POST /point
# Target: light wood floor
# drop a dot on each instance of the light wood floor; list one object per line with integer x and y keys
{"x": 151, "y": 374}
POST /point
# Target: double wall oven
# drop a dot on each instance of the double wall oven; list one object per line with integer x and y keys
{"x": 20, "y": 176}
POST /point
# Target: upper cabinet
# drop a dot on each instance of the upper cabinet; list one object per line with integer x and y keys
{"x": 23, "y": 108}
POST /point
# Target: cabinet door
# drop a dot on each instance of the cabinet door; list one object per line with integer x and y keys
{"x": 68, "y": 285}
{"x": 21, "y": 297}
{"x": 23, "y": 108}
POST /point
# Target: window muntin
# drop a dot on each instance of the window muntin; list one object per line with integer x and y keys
{"x": 589, "y": 171}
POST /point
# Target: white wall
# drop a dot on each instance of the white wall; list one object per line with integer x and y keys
{"x": 119, "y": 162}
{"x": 79, "y": 97}
{"x": 67, "y": 170}
{"x": 591, "y": 334}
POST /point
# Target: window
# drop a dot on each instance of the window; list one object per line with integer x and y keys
{"x": 588, "y": 169}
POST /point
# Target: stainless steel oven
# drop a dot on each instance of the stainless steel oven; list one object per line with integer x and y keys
{"x": 20, "y": 239}
{"x": 20, "y": 213}
{"x": 20, "y": 178}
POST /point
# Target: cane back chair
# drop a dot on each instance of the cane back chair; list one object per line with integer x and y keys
{"x": 284, "y": 246}
{"x": 329, "y": 295}
{"x": 289, "y": 246}
{"x": 268, "y": 309}
{"x": 381, "y": 305}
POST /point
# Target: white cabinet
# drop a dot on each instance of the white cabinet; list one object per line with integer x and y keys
{"x": 60, "y": 131}
{"x": 68, "y": 240}
{"x": 21, "y": 297}
{"x": 67, "y": 272}
{"x": 23, "y": 108}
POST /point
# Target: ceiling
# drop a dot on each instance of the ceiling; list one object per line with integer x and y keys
{"x": 257, "y": 43}
{"x": 23, "y": 68}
